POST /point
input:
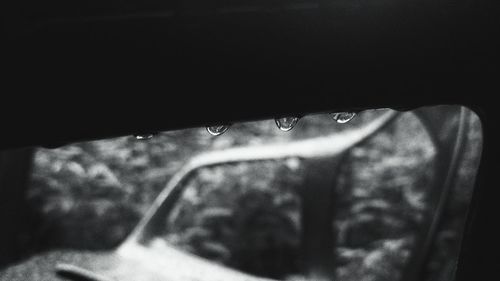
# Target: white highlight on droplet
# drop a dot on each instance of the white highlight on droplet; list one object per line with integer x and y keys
{"x": 343, "y": 117}
{"x": 286, "y": 123}
{"x": 144, "y": 136}
{"x": 217, "y": 130}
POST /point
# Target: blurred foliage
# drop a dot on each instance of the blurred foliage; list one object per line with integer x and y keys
{"x": 245, "y": 216}
{"x": 383, "y": 185}
{"x": 90, "y": 195}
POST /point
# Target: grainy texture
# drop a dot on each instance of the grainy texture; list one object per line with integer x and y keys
{"x": 42, "y": 267}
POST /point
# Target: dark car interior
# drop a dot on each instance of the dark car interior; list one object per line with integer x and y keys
{"x": 108, "y": 77}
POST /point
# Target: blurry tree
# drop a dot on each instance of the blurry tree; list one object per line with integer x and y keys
{"x": 244, "y": 216}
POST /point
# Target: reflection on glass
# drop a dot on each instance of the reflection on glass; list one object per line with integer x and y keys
{"x": 359, "y": 201}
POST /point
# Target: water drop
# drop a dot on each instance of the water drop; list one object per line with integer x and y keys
{"x": 343, "y": 117}
{"x": 286, "y": 123}
{"x": 293, "y": 163}
{"x": 217, "y": 130}
{"x": 147, "y": 136}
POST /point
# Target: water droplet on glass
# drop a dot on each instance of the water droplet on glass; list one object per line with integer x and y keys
{"x": 144, "y": 136}
{"x": 286, "y": 123}
{"x": 293, "y": 163}
{"x": 217, "y": 130}
{"x": 343, "y": 117}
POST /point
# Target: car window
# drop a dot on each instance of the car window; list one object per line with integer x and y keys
{"x": 385, "y": 207}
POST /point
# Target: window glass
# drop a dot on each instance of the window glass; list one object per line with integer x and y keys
{"x": 383, "y": 196}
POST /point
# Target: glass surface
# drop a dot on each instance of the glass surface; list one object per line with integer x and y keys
{"x": 387, "y": 206}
